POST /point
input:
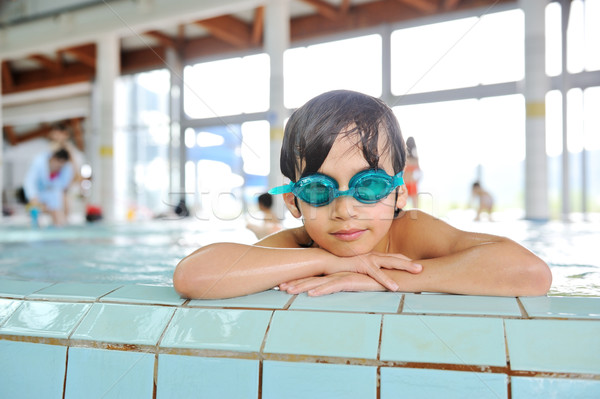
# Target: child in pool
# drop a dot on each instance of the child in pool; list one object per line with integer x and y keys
{"x": 344, "y": 154}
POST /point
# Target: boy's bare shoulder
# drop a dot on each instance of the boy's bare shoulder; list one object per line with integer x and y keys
{"x": 288, "y": 238}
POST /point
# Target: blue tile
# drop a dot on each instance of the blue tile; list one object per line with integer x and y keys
{"x": 139, "y": 293}
{"x": 554, "y": 345}
{"x": 381, "y": 302}
{"x": 109, "y": 374}
{"x": 45, "y": 319}
{"x": 544, "y": 388}
{"x": 461, "y": 304}
{"x": 354, "y": 335}
{"x": 7, "y": 307}
{"x": 270, "y": 299}
{"x": 570, "y": 307}
{"x": 447, "y": 384}
{"x": 130, "y": 324}
{"x": 74, "y": 291}
{"x": 240, "y": 330}
{"x": 20, "y": 288}
{"x": 31, "y": 370}
{"x": 443, "y": 339}
{"x": 190, "y": 376}
{"x": 313, "y": 380}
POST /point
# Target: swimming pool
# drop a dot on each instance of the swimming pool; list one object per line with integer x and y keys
{"x": 146, "y": 253}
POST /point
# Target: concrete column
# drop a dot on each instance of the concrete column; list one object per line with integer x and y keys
{"x": 565, "y": 86}
{"x": 107, "y": 71}
{"x": 277, "y": 39}
{"x": 1, "y": 145}
{"x": 177, "y": 138}
{"x": 536, "y": 87}
{"x": 386, "y": 65}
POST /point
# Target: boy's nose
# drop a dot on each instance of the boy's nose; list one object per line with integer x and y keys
{"x": 343, "y": 208}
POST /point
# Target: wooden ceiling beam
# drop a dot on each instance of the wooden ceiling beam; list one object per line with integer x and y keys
{"x": 47, "y": 62}
{"x": 86, "y": 54}
{"x": 345, "y": 6}
{"x": 9, "y": 134}
{"x": 422, "y": 5}
{"x": 229, "y": 29}
{"x": 258, "y": 25}
{"x": 450, "y": 4}
{"x": 162, "y": 38}
{"x": 324, "y": 8}
{"x": 8, "y": 81}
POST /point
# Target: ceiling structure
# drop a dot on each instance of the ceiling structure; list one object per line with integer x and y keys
{"x": 216, "y": 36}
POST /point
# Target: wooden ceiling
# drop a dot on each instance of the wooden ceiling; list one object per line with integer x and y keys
{"x": 231, "y": 33}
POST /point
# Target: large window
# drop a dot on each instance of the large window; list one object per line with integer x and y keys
{"x": 141, "y": 144}
{"x": 459, "y": 53}
{"x": 459, "y": 142}
{"x": 352, "y": 64}
{"x": 227, "y": 87}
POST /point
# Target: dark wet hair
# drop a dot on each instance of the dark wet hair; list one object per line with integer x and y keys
{"x": 313, "y": 128}
{"x": 62, "y": 155}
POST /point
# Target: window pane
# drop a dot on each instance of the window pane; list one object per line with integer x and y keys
{"x": 353, "y": 64}
{"x": 460, "y": 53}
{"x": 461, "y": 141}
{"x": 227, "y": 87}
{"x": 553, "y": 40}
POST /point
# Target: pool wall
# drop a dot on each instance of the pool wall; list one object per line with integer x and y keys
{"x": 74, "y": 340}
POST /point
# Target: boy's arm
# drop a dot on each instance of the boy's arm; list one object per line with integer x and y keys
{"x": 227, "y": 269}
{"x": 454, "y": 261}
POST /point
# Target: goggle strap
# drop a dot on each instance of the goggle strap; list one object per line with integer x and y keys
{"x": 398, "y": 180}
{"x": 286, "y": 188}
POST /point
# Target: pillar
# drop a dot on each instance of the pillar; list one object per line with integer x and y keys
{"x": 1, "y": 146}
{"x": 277, "y": 39}
{"x": 535, "y": 89}
{"x": 177, "y": 149}
{"x": 107, "y": 71}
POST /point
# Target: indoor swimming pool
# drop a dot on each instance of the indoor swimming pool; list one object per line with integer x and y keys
{"x": 146, "y": 253}
{"x": 89, "y": 311}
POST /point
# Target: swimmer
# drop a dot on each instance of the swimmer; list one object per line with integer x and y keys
{"x": 344, "y": 155}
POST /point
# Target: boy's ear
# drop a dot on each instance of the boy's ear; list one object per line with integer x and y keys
{"x": 402, "y": 197}
{"x": 290, "y": 203}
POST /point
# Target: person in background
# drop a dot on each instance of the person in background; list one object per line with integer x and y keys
{"x": 412, "y": 171}
{"x": 49, "y": 175}
{"x": 270, "y": 223}
{"x": 484, "y": 199}
{"x": 59, "y": 137}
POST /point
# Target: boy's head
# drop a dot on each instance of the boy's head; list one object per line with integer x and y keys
{"x": 313, "y": 128}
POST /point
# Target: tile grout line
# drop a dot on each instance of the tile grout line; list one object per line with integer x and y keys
{"x": 261, "y": 355}
{"x": 524, "y": 313}
{"x": 64, "y": 391}
{"x": 378, "y": 369}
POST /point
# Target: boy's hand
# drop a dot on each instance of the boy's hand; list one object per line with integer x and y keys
{"x": 371, "y": 264}
{"x": 338, "y": 282}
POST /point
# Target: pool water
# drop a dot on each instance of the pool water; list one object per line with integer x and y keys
{"x": 147, "y": 253}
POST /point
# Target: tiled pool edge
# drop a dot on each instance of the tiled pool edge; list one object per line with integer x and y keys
{"x": 149, "y": 343}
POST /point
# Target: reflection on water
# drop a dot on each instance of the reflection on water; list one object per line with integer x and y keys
{"x": 148, "y": 253}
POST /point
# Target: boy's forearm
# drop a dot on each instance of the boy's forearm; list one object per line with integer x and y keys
{"x": 227, "y": 270}
{"x": 499, "y": 269}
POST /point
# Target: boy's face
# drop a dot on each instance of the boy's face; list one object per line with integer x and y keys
{"x": 347, "y": 227}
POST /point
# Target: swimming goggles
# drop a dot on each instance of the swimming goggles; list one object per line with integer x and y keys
{"x": 368, "y": 187}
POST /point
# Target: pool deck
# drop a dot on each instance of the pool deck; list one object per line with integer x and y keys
{"x": 73, "y": 340}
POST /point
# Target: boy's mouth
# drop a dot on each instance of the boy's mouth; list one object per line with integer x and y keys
{"x": 348, "y": 235}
